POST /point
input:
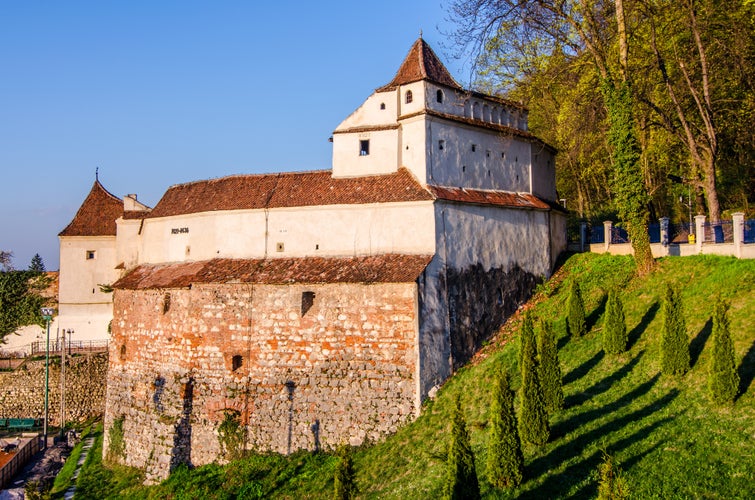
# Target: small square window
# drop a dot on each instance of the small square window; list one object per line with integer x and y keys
{"x": 90, "y": 254}
{"x": 441, "y": 144}
{"x": 382, "y": 105}
{"x": 474, "y": 147}
{"x": 364, "y": 147}
{"x": 279, "y": 247}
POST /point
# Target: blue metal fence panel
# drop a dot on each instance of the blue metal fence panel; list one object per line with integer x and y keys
{"x": 749, "y": 236}
{"x": 722, "y": 232}
{"x": 654, "y": 231}
{"x": 619, "y": 235}
{"x": 597, "y": 234}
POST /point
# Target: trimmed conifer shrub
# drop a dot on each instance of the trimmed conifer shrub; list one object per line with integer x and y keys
{"x": 549, "y": 368}
{"x": 674, "y": 342}
{"x": 533, "y": 417}
{"x": 345, "y": 487}
{"x": 723, "y": 379}
{"x": 461, "y": 479}
{"x": 505, "y": 462}
{"x": 576, "y": 324}
{"x": 611, "y": 483}
{"x": 614, "y": 325}
{"x": 526, "y": 333}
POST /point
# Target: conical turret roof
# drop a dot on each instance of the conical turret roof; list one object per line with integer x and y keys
{"x": 421, "y": 63}
{"x": 97, "y": 215}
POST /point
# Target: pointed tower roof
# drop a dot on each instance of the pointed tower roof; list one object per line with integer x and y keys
{"x": 421, "y": 63}
{"x": 97, "y": 215}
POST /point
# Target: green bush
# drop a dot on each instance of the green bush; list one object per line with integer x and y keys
{"x": 116, "y": 449}
{"x": 533, "y": 418}
{"x": 461, "y": 479}
{"x": 614, "y": 325}
{"x": 674, "y": 342}
{"x": 345, "y": 486}
{"x": 549, "y": 367}
{"x": 505, "y": 462}
{"x": 576, "y": 324}
{"x": 723, "y": 379}
{"x": 611, "y": 485}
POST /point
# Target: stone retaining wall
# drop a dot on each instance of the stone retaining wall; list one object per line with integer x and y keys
{"x": 22, "y": 391}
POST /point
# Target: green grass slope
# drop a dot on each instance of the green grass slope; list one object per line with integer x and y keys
{"x": 669, "y": 440}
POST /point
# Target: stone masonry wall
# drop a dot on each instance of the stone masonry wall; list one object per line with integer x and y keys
{"x": 22, "y": 391}
{"x": 305, "y": 366}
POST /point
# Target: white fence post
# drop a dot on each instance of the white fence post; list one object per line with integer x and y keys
{"x": 699, "y": 232}
{"x": 607, "y": 225}
{"x": 738, "y": 223}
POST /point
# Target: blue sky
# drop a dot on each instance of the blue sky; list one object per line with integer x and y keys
{"x": 160, "y": 93}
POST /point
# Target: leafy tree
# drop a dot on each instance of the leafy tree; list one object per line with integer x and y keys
{"x": 614, "y": 326}
{"x": 6, "y": 259}
{"x": 345, "y": 486}
{"x": 576, "y": 323}
{"x": 723, "y": 379}
{"x": 21, "y": 299}
{"x": 611, "y": 485}
{"x": 550, "y": 367}
{"x": 461, "y": 479}
{"x": 533, "y": 418}
{"x": 37, "y": 265}
{"x": 675, "y": 357}
{"x": 505, "y": 462}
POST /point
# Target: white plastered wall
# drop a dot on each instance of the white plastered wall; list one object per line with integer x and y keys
{"x": 328, "y": 230}
{"x": 83, "y": 306}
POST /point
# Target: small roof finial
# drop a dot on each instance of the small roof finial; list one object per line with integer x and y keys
{"x": 420, "y": 32}
{"x": 97, "y": 173}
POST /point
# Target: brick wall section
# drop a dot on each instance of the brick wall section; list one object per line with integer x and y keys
{"x": 344, "y": 371}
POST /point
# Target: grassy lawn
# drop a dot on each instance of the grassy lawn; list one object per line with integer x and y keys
{"x": 670, "y": 441}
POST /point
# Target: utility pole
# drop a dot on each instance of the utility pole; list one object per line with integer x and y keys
{"x": 47, "y": 313}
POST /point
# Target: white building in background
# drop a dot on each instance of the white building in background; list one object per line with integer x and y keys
{"x": 88, "y": 263}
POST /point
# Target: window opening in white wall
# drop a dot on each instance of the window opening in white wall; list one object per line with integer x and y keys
{"x": 279, "y": 247}
{"x": 441, "y": 144}
{"x": 439, "y": 95}
{"x": 474, "y": 147}
{"x": 382, "y": 105}
{"x": 408, "y": 96}
{"x": 364, "y": 147}
{"x": 90, "y": 254}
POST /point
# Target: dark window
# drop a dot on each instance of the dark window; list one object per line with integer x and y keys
{"x": 123, "y": 352}
{"x": 474, "y": 147}
{"x": 166, "y": 303}
{"x": 307, "y": 301}
{"x": 237, "y": 362}
{"x": 439, "y": 96}
{"x": 382, "y": 105}
{"x": 364, "y": 147}
{"x": 90, "y": 254}
{"x": 409, "y": 96}
{"x": 279, "y": 247}
{"x": 441, "y": 144}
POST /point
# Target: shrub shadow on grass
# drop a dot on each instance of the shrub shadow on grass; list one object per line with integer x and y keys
{"x": 565, "y": 427}
{"x": 647, "y": 318}
{"x": 698, "y": 343}
{"x": 583, "y": 369}
{"x": 746, "y": 371}
{"x": 603, "y": 385}
{"x": 556, "y": 485}
{"x": 592, "y": 319}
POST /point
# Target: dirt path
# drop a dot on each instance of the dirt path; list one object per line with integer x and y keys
{"x": 42, "y": 468}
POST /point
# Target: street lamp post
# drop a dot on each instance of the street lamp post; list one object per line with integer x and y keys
{"x": 47, "y": 313}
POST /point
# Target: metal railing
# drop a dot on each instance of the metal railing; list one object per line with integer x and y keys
{"x": 749, "y": 231}
{"x": 73, "y": 347}
{"x": 721, "y": 232}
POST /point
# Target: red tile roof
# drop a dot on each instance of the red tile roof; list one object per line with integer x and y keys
{"x": 421, "y": 63}
{"x": 97, "y": 215}
{"x": 387, "y": 268}
{"x": 293, "y": 189}
{"x": 485, "y": 197}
